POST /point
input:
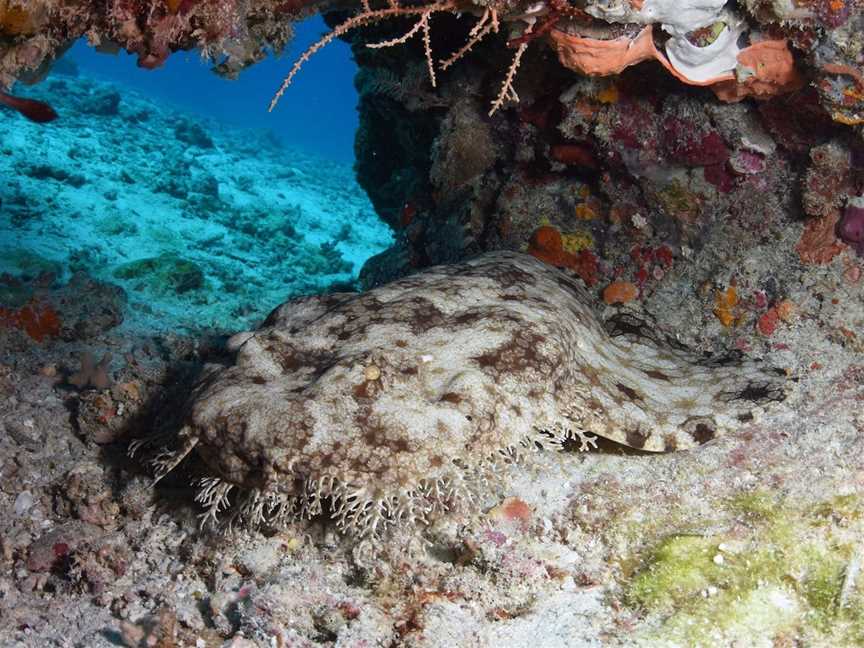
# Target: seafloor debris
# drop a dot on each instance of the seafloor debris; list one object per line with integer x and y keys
{"x": 397, "y": 403}
{"x": 92, "y": 374}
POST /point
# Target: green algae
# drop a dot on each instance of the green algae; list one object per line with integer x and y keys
{"x": 753, "y": 505}
{"x": 26, "y": 264}
{"x": 777, "y": 573}
{"x": 822, "y": 584}
{"x": 674, "y": 570}
{"x": 164, "y": 274}
{"x": 845, "y": 506}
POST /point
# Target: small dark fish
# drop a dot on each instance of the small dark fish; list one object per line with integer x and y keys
{"x": 37, "y": 111}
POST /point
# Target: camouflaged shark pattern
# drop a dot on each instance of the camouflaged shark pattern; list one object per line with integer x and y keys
{"x": 390, "y": 404}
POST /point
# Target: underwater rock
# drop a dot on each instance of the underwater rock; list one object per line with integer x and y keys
{"x": 850, "y": 229}
{"x": 386, "y": 266}
{"x": 101, "y": 102}
{"x": 88, "y": 307}
{"x": 86, "y": 495}
{"x": 394, "y": 404}
{"x": 48, "y": 172}
{"x": 204, "y": 184}
{"x": 192, "y": 133}
{"x": 82, "y": 309}
{"x": 20, "y": 266}
{"x": 53, "y": 546}
{"x": 165, "y": 274}
{"x": 464, "y": 151}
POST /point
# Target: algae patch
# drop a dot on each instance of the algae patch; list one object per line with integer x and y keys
{"x": 779, "y": 573}
{"x": 165, "y": 274}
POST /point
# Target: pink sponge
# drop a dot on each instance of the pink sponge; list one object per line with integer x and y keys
{"x": 850, "y": 229}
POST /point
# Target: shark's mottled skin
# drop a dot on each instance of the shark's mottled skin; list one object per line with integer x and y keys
{"x": 386, "y": 403}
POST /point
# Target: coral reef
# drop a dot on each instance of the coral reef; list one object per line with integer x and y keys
{"x": 690, "y": 172}
{"x": 33, "y": 33}
{"x": 608, "y": 128}
{"x": 698, "y": 43}
{"x": 678, "y": 171}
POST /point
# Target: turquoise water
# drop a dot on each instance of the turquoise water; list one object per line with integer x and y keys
{"x": 179, "y": 187}
{"x": 317, "y": 114}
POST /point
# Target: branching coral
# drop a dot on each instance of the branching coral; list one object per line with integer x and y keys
{"x": 366, "y": 17}
{"x": 488, "y": 23}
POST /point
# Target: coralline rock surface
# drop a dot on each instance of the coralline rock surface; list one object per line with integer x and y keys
{"x": 34, "y": 33}
{"x": 696, "y": 40}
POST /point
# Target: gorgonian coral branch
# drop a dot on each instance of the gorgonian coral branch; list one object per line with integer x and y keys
{"x": 368, "y": 17}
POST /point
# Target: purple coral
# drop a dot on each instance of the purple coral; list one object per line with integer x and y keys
{"x": 686, "y": 144}
{"x": 850, "y": 229}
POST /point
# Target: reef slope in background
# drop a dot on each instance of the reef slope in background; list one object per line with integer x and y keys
{"x": 203, "y": 225}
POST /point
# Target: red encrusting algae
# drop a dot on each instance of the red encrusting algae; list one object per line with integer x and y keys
{"x": 547, "y": 245}
{"x": 37, "y": 320}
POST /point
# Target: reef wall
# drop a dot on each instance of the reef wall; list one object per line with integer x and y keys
{"x": 629, "y": 159}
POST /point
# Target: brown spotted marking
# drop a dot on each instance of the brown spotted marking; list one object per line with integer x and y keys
{"x": 629, "y": 392}
{"x": 656, "y": 374}
{"x": 636, "y": 438}
{"x": 703, "y": 433}
{"x": 670, "y": 443}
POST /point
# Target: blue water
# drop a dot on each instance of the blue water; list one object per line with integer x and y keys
{"x": 179, "y": 187}
{"x": 317, "y": 114}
